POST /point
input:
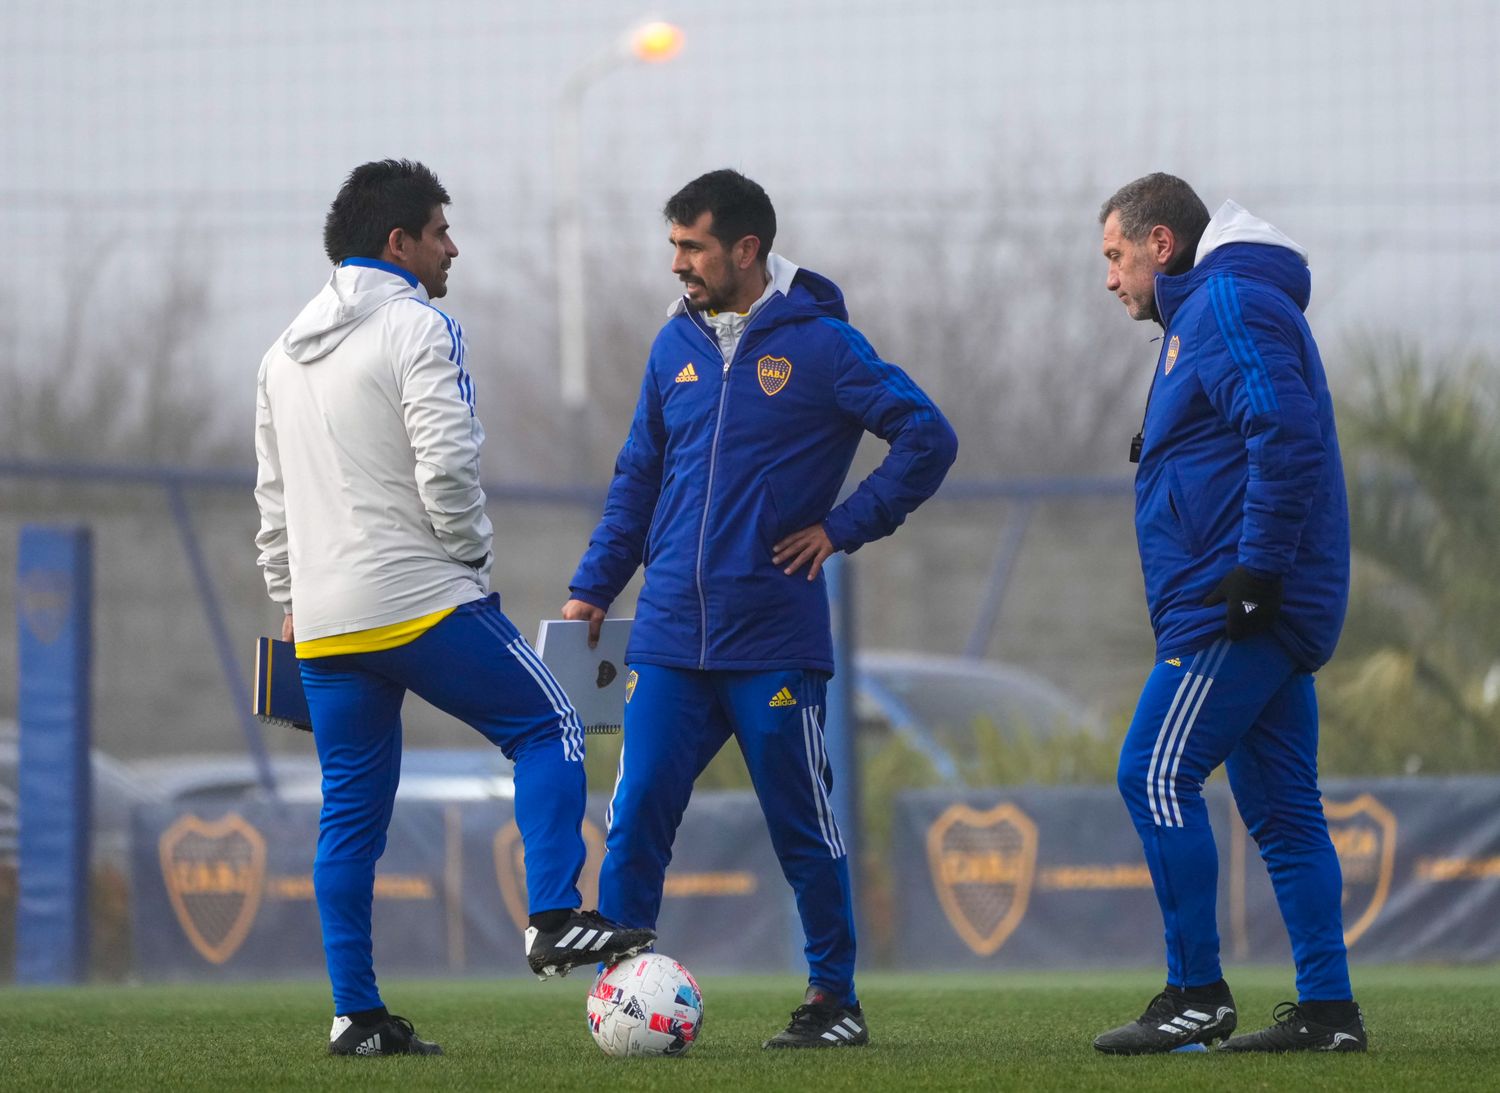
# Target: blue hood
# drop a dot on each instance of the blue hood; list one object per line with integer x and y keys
{"x": 1272, "y": 264}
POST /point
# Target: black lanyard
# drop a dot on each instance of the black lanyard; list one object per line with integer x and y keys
{"x": 1138, "y": 441}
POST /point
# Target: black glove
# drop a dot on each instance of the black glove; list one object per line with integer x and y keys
{"x": 1252, "y": 602}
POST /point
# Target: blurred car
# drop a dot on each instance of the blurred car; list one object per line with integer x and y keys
{"x": 443, "y": 774}
{"x": 938, "y": 703}
{"x": 935, "y": 703}
{"x": 116, "y": 792}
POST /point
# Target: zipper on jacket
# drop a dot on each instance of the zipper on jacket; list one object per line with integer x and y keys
{"x": 708, "y": 494}
{"x": 713, "y": 459}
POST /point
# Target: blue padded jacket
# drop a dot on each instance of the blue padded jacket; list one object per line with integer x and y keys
{"x": 724, "y": 458}
{"x": 1240, "y": 462}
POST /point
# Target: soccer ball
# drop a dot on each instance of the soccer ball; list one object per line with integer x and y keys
{"x": 646, "y": 1005}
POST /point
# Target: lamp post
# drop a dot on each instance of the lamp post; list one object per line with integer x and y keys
{"x": 652, "y": 43}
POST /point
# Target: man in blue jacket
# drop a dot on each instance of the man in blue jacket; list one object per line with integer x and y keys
{"x": 1243, "y": 530}
{"x": 755, "y": 397}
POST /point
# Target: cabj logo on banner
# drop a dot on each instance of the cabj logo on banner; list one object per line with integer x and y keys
{"x": 510, "y": 869}
{"x": 1364, "y": 835}
{"x": 45, "y": 597}
{"x": 982, "y": 867}
{"x": 215, "y": 873}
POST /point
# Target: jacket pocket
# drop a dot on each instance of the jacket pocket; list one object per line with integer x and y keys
{"x": 663, "y": 499}
{"x": 768, "y": 519}
{"x": 1177, "y": 501}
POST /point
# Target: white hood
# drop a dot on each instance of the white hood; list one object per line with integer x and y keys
{"x": 1233, "y": 224}
{"x": 349, "y": 297}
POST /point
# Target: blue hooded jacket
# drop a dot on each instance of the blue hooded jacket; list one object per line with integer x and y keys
{"x": 726, "y": 458}
{"x": 1240, "y": 461}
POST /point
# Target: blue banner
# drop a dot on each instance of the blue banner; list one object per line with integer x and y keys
{"x": 228, "y": 893}
{"x": 1032, "y": 877}
{"x": 1055, "y": 878}
{"x": 54, "y": 600}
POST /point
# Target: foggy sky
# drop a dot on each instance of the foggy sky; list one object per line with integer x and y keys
{"x": 212, "y": 135}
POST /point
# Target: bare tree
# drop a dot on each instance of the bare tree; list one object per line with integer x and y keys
{"x": 118, "y": 376}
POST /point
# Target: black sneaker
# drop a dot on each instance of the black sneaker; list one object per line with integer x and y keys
{"x": 822, "y": 1022}
{"x": 1169, "y": 1023}
{"x": 587, "y": 937}
{"x": 1295, "y": 1031}
{"x": 393, "y": 1036}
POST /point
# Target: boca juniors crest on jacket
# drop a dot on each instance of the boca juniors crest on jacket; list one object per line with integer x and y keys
{"x": 1240, "y": 462}
{"x": 726, "y": 457}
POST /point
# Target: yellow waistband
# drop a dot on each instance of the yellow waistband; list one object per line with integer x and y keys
{"x": 372, "y": 640}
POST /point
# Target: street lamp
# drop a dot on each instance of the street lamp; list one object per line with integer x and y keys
{"x": 653, "y": 43}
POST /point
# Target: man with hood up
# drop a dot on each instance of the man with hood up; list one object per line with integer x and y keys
{"x": 1243, "y": 530}
{"x": 373, "y": 529}
{"x": 756, "y": 394}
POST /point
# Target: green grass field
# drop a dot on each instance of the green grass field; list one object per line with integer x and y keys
{"x": 1430, "y": 1028}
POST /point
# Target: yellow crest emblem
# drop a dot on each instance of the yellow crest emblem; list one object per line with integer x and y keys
{"x": 1172, "y": 348}
{"x": 215, "y": 873}
{"x": 773, "y": 372}
{"x": 510, "y": 869}
{"x": 1364, "y": 835}
{"x": 630, "y": 681}
{"x": 982, "y": 867}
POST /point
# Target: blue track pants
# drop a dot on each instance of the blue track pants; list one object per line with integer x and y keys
{"x": 1244, "y": 704}
{"x": 675, "y": 722}
{"x": 475, "y": 666}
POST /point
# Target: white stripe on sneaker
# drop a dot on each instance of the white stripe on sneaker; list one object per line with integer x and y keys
{"x": 569, "y": 936}
{"x": 603, "y": 938}
{"x": 583, "y": 942}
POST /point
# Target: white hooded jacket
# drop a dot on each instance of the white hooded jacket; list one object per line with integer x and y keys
{"x": 367, "y": 448}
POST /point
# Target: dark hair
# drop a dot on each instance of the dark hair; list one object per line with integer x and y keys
{"x": 376, "y": 199}
{"x": 1159, "y": 199}
{"x": 740, "y": 208}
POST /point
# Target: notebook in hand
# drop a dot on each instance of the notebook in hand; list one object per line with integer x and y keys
{"x": 279, "y": 699}
{"x": 593, "y": 679}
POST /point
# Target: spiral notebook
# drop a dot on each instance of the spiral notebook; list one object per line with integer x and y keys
{"x": 595, "y": 680}
{"x": 279, "y": 699}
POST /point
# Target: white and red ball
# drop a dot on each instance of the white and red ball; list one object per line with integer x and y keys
{"x": 645, "y": 1005}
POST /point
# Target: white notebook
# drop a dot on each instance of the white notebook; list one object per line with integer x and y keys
{"x": 594, "y": 679}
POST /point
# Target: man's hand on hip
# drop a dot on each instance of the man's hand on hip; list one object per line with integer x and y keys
{"x": 287, "y": 633}
{"x": 810, "y": 547}
{"x": 578, "y": 611}
{"x": 1251, "y": 602}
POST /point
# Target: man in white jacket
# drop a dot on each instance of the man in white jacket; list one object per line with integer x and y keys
{"x": 373, "y": 528}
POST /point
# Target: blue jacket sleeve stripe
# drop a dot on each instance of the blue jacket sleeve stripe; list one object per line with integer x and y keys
{"x": 465, "y": 381}
{"x": 456, "y": 355}
{"x": 892, "y": 379}
{"x": 1226, "y": 305}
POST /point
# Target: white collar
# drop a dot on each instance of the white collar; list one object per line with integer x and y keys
{"x": 780, "y": 274}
